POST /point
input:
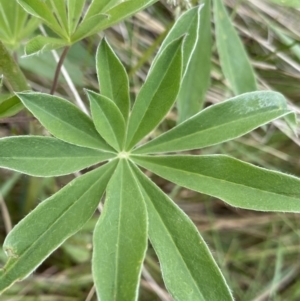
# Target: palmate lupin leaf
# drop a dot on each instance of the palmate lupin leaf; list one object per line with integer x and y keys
{"x": 135, "y": 208}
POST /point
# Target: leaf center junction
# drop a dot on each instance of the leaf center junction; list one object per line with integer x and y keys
{"x": 123, "y": 155}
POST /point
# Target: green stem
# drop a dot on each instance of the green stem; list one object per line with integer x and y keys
{"x": 12, "y": 73}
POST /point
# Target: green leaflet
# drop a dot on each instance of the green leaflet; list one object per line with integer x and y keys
{"x": 9, "y": 105}
{"x": 197, "y": 77}
{"x": 102, "y": 6}
{"x": 187, "y": 25}
{"x": 51, "y": 223}
{"x": 221, "y": 122}
{"x": 157, "y": 95}
{"x": 40, "y": 43}
{"x": 14, "y": 24}
{"x": 120, "y": 238}
{"x": 238, "y": 183}
{"x": 189, "y": 271}
{"x": 60, "y": 11}
{"x": 112, "y": 77}
{"x": 11, "y": 70}
{"x": 63, "y": 120}
{"x": 46, "y": 156}
{"x": 75, "y": 8}
{"x": 233, "y": 57}
{"x": 108, "y": 120}
{"x": 89, "y": 27}
{"x": 42, "y": 11}
{"x": 12, "y": 20}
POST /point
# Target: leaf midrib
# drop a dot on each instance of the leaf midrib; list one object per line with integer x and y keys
{"x": 174, "y": 243}
{"x": 115, "y": 289}
{"x": 226, "y": 181}
{"x": 137, "y": 125}
{"x": 53, "y": 224}
{"x": 99, "y": 142}
{"x": 210, "y": 129}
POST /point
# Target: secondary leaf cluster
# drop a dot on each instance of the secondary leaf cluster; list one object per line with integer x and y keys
{"x": 67, "y": 20}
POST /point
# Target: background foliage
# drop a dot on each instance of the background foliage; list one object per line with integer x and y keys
{"x": 256, "y": 263}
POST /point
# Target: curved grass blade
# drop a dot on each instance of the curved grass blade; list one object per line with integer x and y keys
{"x": 197, "y": 76}
{"x": 157, "y": 95}
{"x": 221, "y": 122}
{"x": 112, "y": 77}
{"x": 108, "y": 120}
{"x": 237, "y": 183}
{"x": 47, "y": 156}
{"x": 63, "y": 120}
{"x": 188, "y": 268}
{"x": 120, "y": 238}
{"x": 233, "y": 57}
{"x": 51, "y": 223}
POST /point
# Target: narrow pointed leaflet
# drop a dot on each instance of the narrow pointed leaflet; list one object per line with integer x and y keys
{"x": 188, "y": 268}
{"x": 63, "y": 120}
{"x": 60, "y": 12}
{"x": 157, "y": 95}
{"x": 75, "y": 9}
{"x": 196, "y": 80}
{"x": 221, "y": 122}
{"x": 95, "y": 22}
{"x": 186, "y": 25}
{"x": 120, "y": 238}
{"x": 233, "y": 57}
{"x": 46, "y": 156}
{"x": 108, "y": 120}
{"x": 51, "y": 223}
{"x": 112, "y": 77}
{"x": 237, "y": 183}
{"x": 41, "y": 10}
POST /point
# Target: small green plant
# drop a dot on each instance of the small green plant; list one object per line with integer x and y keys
{"x": 135, "y": 209}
